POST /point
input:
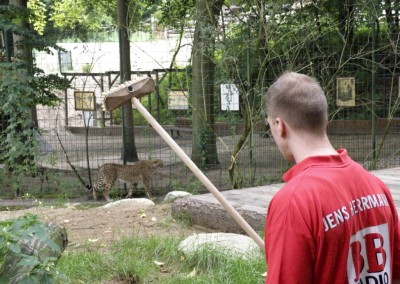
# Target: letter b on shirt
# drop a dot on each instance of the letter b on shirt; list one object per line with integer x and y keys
{"x": 369, "y": 256}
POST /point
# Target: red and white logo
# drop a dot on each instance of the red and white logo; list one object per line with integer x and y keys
{"x": 368, "y": 261}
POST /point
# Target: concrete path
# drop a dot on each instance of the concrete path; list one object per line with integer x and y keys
{"x": 252, "y": 204}
{"x": 392, "y": 179}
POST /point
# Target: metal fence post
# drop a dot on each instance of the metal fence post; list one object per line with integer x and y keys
{"x": 373, "y": 78}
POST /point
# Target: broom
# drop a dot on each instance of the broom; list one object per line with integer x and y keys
{"x": 133, "y": 91}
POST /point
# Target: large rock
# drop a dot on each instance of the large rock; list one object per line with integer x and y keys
{"x": 252, "y": 204}
{"x": 206, "y": 211}
{"x": 173, "y": 195}
{"x": 134, "y": 203}
{"x": 232, "y": 245}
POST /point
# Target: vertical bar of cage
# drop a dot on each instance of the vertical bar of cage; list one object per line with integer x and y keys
{"x": 157, "y": 96}
{"x": 373, "y": 89}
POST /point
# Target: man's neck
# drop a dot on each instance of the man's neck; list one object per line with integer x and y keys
{"x": 309, "y": 146}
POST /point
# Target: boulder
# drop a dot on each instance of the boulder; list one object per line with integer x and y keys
{"x": 206, "y": 211}
{"x": 134, "y": 202}
{"x": 232, "y": 245}
{"x": 173, "y": 195}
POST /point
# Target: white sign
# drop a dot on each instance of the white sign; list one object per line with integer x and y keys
{"x": 89, "y": 119}
{"x": 229, "y": 97}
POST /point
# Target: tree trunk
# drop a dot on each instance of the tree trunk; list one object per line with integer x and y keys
{"x": 23, "y": 52}
{"x": 129, "y": 153}
{"x": 204, "y": 150}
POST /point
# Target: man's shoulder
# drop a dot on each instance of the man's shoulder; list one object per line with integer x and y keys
{"x": 292, "y": 190}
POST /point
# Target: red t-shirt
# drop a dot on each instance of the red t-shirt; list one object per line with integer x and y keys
{"x": 332, "y": 222}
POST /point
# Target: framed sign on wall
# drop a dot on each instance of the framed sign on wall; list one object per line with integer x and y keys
{"x": 84, "y": 100}
{"x": 346, "y": 91}
{"x": 178, "y": 100}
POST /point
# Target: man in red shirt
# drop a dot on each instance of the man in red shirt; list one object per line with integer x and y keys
{"x": 332, "y": 222}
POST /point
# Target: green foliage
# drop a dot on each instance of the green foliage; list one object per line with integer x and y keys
{"x": 12, "y": 19}
{"x": 19, "y": 93}
{"x": 44, "y": 85}
{"x": 84, "y": 19}
{"x": 22, "y": 87}
{"x": 14, "y": 233}
{"x": 61, "y": 185}
{"x": 175, "y": 13}
{"x": 71, "y": 13}
{"x": 17, "y": 97}
{"x": 38, "y": 15}
{"x": 86, "y": 68}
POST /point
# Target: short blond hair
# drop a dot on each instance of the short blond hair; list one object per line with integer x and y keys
{"x": 299, "y": 100}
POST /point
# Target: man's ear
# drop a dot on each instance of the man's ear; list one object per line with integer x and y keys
{"x": 282, "y": 127}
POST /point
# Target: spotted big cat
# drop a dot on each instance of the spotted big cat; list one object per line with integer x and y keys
{"x": 109, "y": 173}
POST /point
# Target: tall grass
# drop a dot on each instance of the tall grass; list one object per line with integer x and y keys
{"x": 158, "y": 260}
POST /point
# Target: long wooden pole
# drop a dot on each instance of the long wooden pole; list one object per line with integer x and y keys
{"x": 198, "y": 173}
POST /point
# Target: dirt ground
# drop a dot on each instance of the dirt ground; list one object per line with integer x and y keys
{"x": 99, "y": 226}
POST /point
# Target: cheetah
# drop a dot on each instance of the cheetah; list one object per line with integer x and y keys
{"x": 109, "y": 173}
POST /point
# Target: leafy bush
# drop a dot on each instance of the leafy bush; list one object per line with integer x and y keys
{"x": 31, "y": 250}
{"x": 22, "y": 87}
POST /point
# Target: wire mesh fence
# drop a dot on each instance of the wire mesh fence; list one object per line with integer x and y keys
{"x": 356, "y": 61}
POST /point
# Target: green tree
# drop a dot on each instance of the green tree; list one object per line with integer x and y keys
{"x": 83, "y": 19}
{"x": 204, "y": 150}
{"x": 22, "y": 87}
{"x": 244, "y": 56}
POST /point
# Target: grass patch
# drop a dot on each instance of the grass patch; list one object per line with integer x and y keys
{"x": 158, "y": 260}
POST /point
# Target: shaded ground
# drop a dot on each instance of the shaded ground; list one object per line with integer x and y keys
{"x": 99, "y": 226}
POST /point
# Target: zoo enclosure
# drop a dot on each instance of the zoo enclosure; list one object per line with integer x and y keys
{"x": 261, "y": 156}
{"x": 356, "y": 63}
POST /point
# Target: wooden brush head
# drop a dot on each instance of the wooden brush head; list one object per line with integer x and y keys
{"x": 126, "y": 91}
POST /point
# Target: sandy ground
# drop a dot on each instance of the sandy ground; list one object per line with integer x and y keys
{"x": 99, "y": 226}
